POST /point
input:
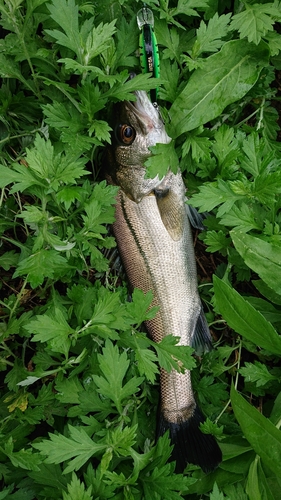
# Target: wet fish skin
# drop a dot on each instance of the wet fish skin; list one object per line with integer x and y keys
{"x": 155, "y": 243}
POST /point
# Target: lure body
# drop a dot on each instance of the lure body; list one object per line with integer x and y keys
{"x": 149, "y": 55}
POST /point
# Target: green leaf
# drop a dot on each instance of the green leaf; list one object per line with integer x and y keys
{"x": 40, "y": 265}
{"x": 60, "y": 116}
{"x": 140, "y": 308}
{"x": 163, "y": 158}
{"x": 243, "y": 217}
{"x": 267, "y": 292}
{"x": 111, "y": 384}
{"x": 9, "y": 259}
{"x": 264, "y": 437}
{"x": 213, "y": 194}
{"x": 68, "y": 390}
{"x": 216, "y": 241}
{"x": 46, "y": 328}
{"x": 162, "y": 483}
{"x": 76, "y": 490}
{"x": 24, "y": 459}
{"x": 209, "y": 427}
{"x": 216, "y": 494}
{"x": 262, "y": 257}
{"x": 98, "y": 40}
{"x": 256, "y": 372}
{"x": 255, "y": 22}
{"x": 147, "y": 363}
{"x": 60, "y": 448}
{"x": 199, "y": 146}
{"x": 170, "y": 75}
{"x": 121, "y": 440}
{"x": 244, "y": 318}
{"x": 274, "y": 41}
{"x": 252, "y": 486}
{"x": 209, "y": 37}
{"x": 226, "y": 77}
{"x": 175, "y": 356}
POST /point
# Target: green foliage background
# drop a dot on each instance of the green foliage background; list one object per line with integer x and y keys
{"x": 78, "y": 376}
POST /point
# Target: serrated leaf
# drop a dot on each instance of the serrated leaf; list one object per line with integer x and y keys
{"x": 255, "y": 21}
{"x": 264, "y": 437}
{"x": 210, "y": 391}
{"x": 257, "y": 373}
{"x": 79, "y": 447}
{"x": 213, "y": 194}
{"x": 101, "y": 130}
{"x": 122, "y": 90}
{"x": 274, "y": 41}
{"x": 245, "y": 319}
{"x": 140, "y": 308}
{"x": 9, "y": 259}
{"x": 175, "y": 356}
{"x": 121, "y": 440}
{"x": 47, "y": 471}
{"x": 108, "y": 311}
{"x": 98, "y": 40}
{"x": 170, "y": 74}
{"x": 209, "y": 427}
{"x": 25, "y": 459}
{"x": 59, "y": 116}
{"x": 111, "y": 384}
{"x": 226, "y": 77}
{"x": 252, "y": 148}
{"x": 65, "y": 14}
{"x": 263, "y": 257}
{"x": 55, "y": 330}
{"x": 147, "y": 363}
{"x": 163, "y": 158}
{"x": 242, "y": 217}
{"x": 68, "y": 195}
{"x": 68, "y": 390}
{"x": 40, "y": 265}
{"x": 76, "y": 490}
{"x": 162, "y": 483}
{"x": 209, "y": 37}
{"x": 199, "y": 147}
{"x": 189, "y": 7}
{"x": 216, "y": 241}
{"x": 216, "y": 494}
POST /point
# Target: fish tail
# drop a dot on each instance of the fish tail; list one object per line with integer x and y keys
{"x": 190, "y": 444}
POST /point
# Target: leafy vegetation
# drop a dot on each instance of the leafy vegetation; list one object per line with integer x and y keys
{"x": 78, "y": 376}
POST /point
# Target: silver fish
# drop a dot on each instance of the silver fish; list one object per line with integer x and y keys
{"x": 155, "y": 243}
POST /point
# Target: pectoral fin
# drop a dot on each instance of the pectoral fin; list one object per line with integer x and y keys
{"x": 172, "y": 212}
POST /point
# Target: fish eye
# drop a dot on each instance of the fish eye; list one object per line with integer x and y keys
{"x": 126, "y": 134}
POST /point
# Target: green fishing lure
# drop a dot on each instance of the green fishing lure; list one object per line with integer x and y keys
{"x": 149, "y": 55}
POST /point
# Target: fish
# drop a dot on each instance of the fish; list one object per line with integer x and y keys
{"x": 155, "y": 242}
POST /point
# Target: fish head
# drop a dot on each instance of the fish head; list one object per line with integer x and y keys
{"x": 138, "y": 125}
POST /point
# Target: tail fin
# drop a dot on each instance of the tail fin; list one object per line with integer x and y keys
{"x": 190, "y": 444}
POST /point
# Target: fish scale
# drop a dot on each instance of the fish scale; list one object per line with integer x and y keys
{"x": 154, "y": 239}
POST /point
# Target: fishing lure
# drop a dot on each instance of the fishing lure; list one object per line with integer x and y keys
{"x": 149, "y": 55}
